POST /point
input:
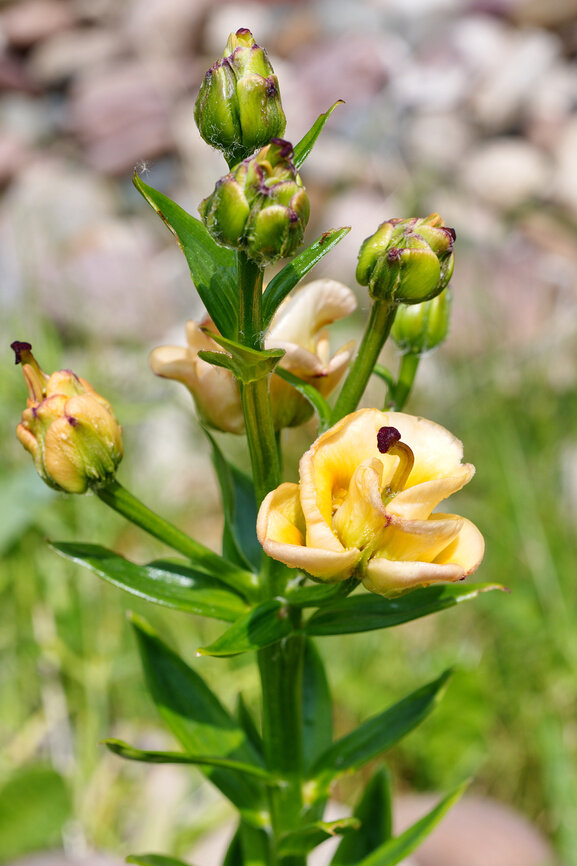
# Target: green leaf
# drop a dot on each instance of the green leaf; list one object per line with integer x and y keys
{"x": 262, "y": 626}
{"x": 307, "y": 142}
{"x": 377, "y": 734}
{"x": 154, "y": 860}
{"x": 233, "y": 855}
{"x": 246, "y": 364}
{"x": 161, "y": 582}
{"x": 34, "y": 805}
{"x": 317, "y": 708}
{"x": 367, "y": 612}
{"x": 375, "y": 819}
{"x": 286, "y": 279}
{"x": 400, "y": 847}
{"x": 197, "y": 718}
{"x": 239, "y": 542}
{"x": 308, "y": 837}
{"x": 320, "y": 594}
{"x": 310, "y": 393}
{"x": 146, "y": 756}
{"x": 248, "y": 725}
{"x": 212, "y": 267}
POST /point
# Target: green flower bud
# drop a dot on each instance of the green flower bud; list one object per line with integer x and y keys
{"x": 407, "y": 260}
{"x": 69, "y": 429}
{"x": 420, "y": 327}
{"x": 238, "y": 108}
{"x": 260, "y": 207}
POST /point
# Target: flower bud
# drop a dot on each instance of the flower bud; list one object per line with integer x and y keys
{"x": 69, "y": 429}
{"x": 238, "y": 108}
{"x": 420, "y": 327}
{"x": 407, "y": 260}
{"x": 260, "y": 207}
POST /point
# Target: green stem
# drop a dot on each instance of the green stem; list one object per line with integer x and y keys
{"x": 255, "y": 398}
{"x": 377, "y": 330}
{"x": 205, "y": 560}
{"x": 407, "y": 373}
{"x": 281, "y": 671}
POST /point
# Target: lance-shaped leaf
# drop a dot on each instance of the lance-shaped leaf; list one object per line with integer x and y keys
{"x": 213, "y": 268}
{"x": 239, "y": 542}
{"x": 197, "y": 718}
{"x": 234, "y": 855}
{"x": 155, "y": 860}
{"x": 250, "y": 846}
{"x": 374, "y": 814}
{"x": 310, "y": 393}
{"x": 377, "y": 734}
{"x": 320, "y": 594}
{"x": 284, "y": 282}
{"x": 307, "y": 142}
{"x": 147, "y": 756}
{"x": 161, "y": 582}
{"x": 367, "y": 612}
{"x": 400, "y": 847}
{"x": 246, "y": 364}
{"x": 306, "y": 838}
{"x": 317, "y": 733}
{"x": 262, "y": 626}
{"x": 248, "y": 725}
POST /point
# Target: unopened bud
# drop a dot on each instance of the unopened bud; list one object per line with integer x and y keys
{"x": 420, "y": 327}
{"x": 69, "y": 429}
{"x": 407, "y": 260}
{"x": 260, "y": 207}
{"x": 238, "y": 108}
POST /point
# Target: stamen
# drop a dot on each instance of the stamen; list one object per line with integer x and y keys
{"x": 389, "y": 442}
{"x": 35, "y": 378}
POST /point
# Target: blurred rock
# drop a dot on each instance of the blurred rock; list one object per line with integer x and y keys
{"x": 165, "y": 27}
{"x": 439, "y": 140}
{"x": 507, "y": 172}
{"x": 58, "y": 858}
{"x": 553, "y": 13}
{"x": 30, "y": 21}
{"x": 565, "y": 181}
{"x": 475, "y": 832}
{"x": 121, "y": 115}
{"x": 14, "y": 155}
{"x": 64, "y": 56}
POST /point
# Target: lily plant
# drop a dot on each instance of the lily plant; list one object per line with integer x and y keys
{"x": 356, "y": 545}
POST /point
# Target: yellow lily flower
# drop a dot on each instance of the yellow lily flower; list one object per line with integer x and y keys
{"x": 299, "y": 327}
{"x": 364, "y": 506}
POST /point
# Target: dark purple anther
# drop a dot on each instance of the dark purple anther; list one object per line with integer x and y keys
{"x": 18, "y": 346}
{"x": 386, "y": 438}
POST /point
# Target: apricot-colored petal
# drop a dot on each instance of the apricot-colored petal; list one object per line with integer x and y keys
{"x": 362, "y": 515}
{"x": 310, "y": 309}
{"x": 466, "y": 550}
{"x": 390, "y": 577}
{"x": 417, "y": 503}
{"x": 421, "y": 540}
{"x": 280, "y": 528}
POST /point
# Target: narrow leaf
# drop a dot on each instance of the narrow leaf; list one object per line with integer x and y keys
{"x": 385, "y": 375}
{"x": 367, "y": 612}
{"x": 239, "y": 543}
{"x": 247, "y": 365}
{"x": 154, "y": 860}
{"x": 262, "y": 626}
{"x": 161, "y": 582}
{"x": 310, "y": 393}
{"x": 146, "y": 756}
{"x": 302, "y": 841}
{"x": 320, "y": 594}
{"x": 249, "y": 726}
{"x": 317, "y": 708}
{"x": 196, "y": 717}
{"x": 400, "y": 847}
{"x": 212, "y": 267}
{"x": 378, "y": 733}
{"x": 233, "y": 855}
{"x": 286, "y": 279}
{"x": 307, "y": 142}
{"x": 374, "y": 815}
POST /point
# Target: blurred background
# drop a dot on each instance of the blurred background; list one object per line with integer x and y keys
{"x": 461, "y": 107}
